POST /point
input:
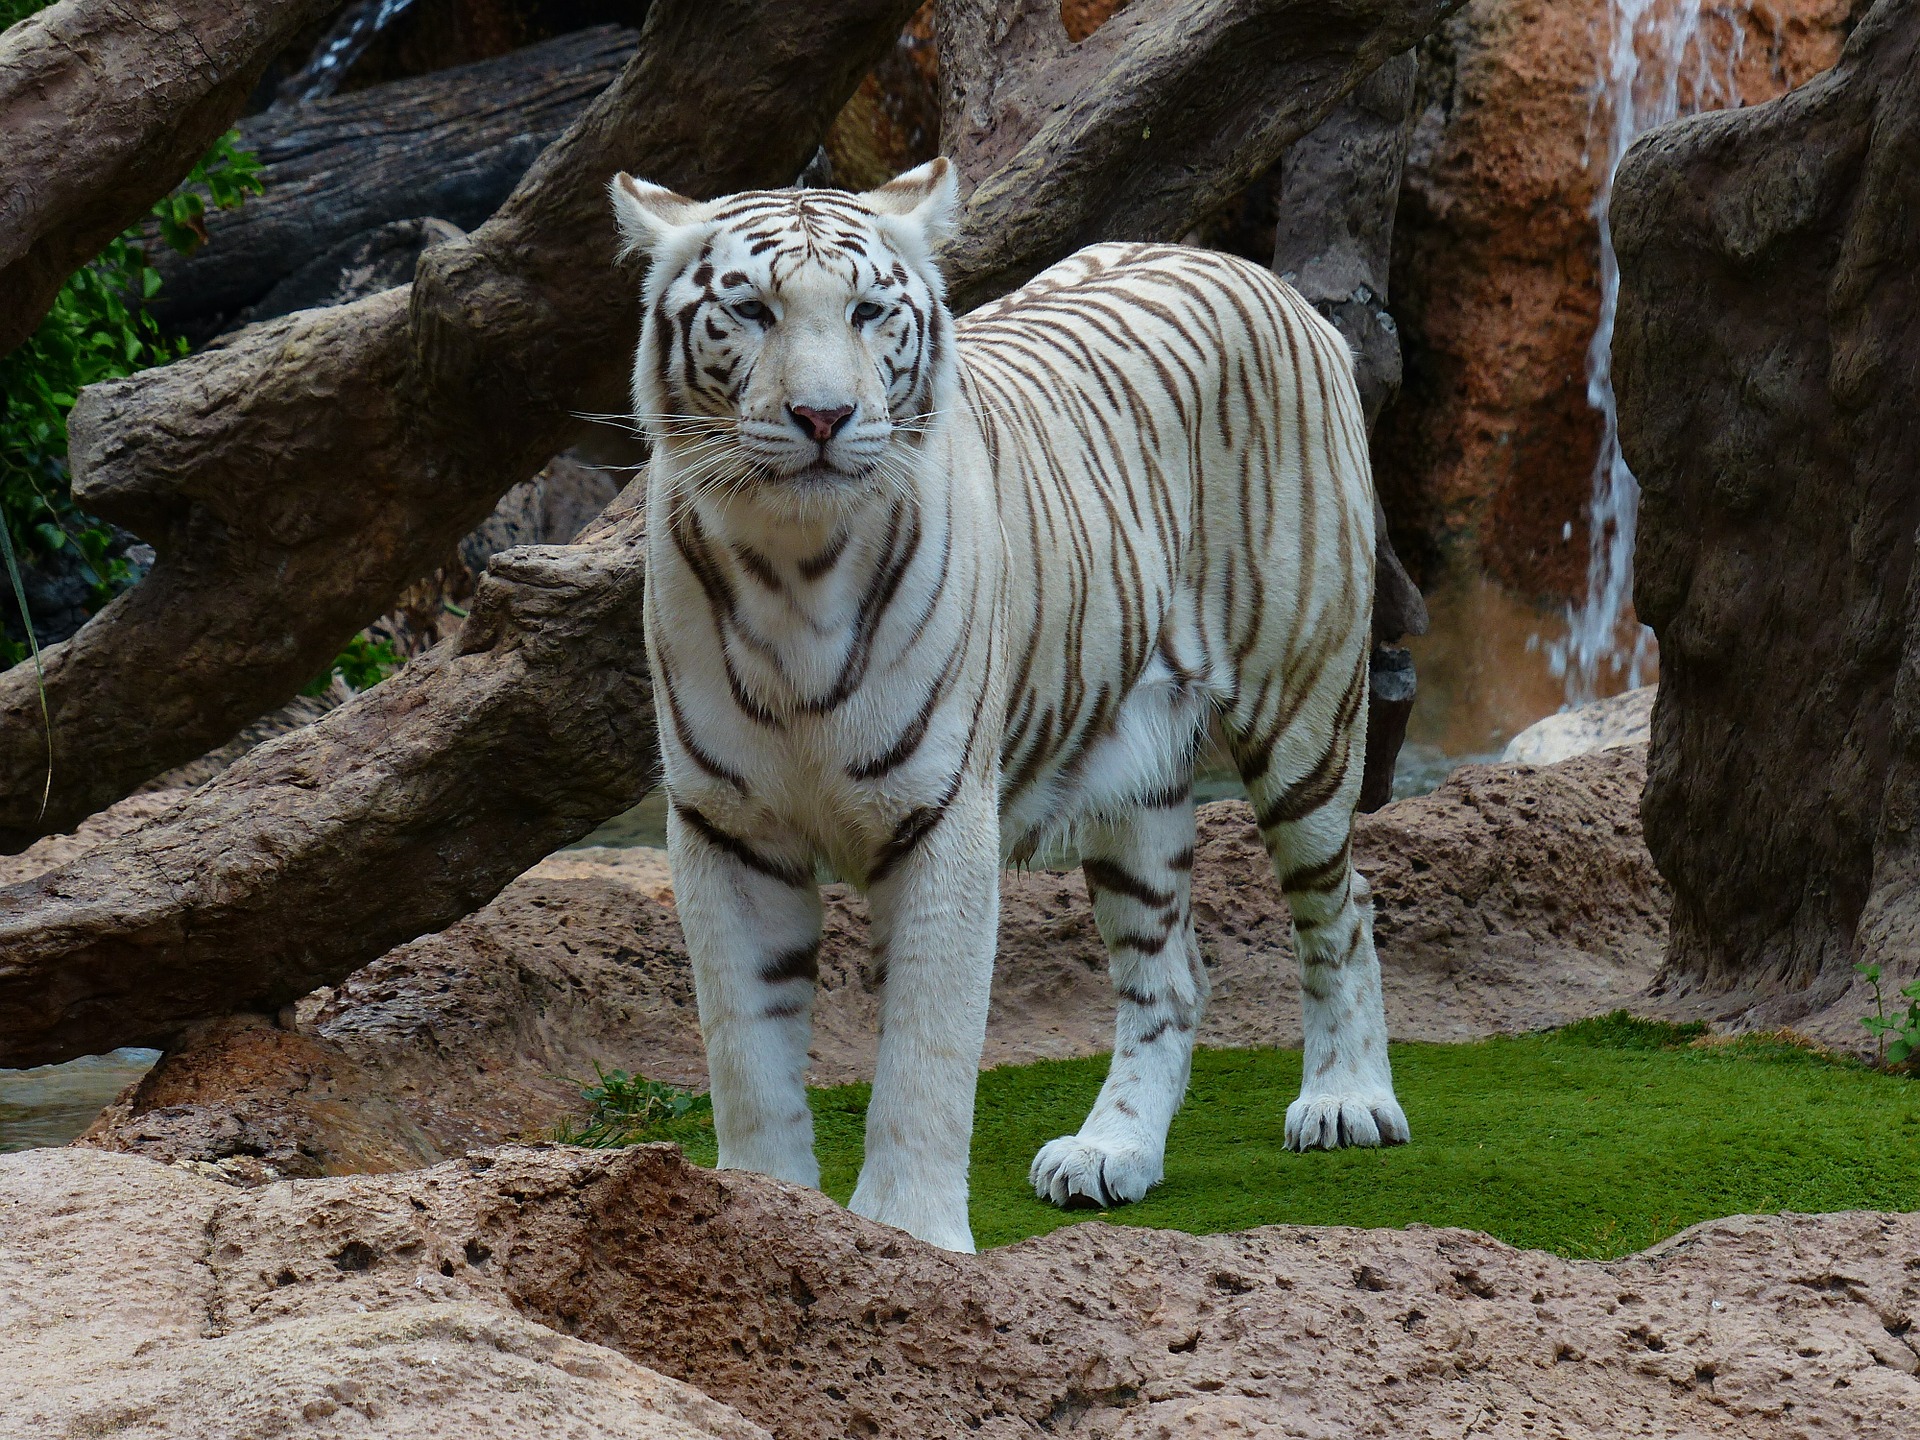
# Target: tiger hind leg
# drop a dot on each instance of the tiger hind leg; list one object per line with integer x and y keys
{"x": 1138, "y": 866}
{"x": 1303, "y": 789}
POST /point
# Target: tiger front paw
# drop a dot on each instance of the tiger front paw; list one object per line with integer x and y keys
{"x": 1337, "y": 1119}
{"x": 1073, "y": 1172}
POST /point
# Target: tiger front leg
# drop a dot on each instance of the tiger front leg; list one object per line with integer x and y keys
{"x": 935, "y": 916}
{"x": 751, "y": 916}
{"x": 1138, "y": 868}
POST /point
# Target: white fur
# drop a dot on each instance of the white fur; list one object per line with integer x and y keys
{"x": 1028, "y": 551}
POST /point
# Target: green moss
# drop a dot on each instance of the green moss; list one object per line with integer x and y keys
{"x": 1594, "y": 1141}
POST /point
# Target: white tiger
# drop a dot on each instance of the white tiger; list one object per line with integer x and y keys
{"x": 921, "y": 595}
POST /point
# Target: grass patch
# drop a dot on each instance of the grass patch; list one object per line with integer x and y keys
{"x": 1594, "y": 1141}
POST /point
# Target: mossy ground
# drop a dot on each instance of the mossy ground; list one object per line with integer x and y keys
{"x": 1593, "y": 1141}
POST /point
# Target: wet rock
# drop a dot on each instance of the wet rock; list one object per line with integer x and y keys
{"x": 1488, "y": 454}
{"x": 1618, "y": 720}
{"x": 435, "y": 1294}
{"x": 1512, "y": 898}
{"x": 1766, "y": 358}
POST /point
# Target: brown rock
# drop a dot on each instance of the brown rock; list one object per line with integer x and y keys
{"x": 1769, "y": 327}
{"x": 115, "y": 1322}
{"x": 814, "y": 1322}
{"x": 1490, "y": 449}
{"x": 1511, "y": 899}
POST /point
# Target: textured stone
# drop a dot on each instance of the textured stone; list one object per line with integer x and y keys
{"x": 115, "y": 1319}
{"x": 1768, "y": 358}
{"x": 1619, "y": 720}
{"x": 431, "y": 1292}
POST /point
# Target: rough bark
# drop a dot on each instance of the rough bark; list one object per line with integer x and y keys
{"x": 1339, "y": 188}
{"x": 1170, "y": 109}
{"x": 451, "y": 144}
{"x": 395, "y": 814}
{"x": 111, "y": 923}
{"x": 105, "y": 108}
{"x": 1768, "y": 359}
{"x": 296, "y": 477}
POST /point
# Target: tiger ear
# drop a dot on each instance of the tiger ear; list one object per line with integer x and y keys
{"x": 928, "y": 195}
{"x": 648, "y": 214}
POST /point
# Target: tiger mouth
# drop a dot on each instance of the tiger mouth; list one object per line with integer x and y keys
{"x": 820, "y": 474}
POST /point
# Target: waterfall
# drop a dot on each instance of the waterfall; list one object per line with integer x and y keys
{"x": 1662, "y": 59}
{"x": 352, "y": 33}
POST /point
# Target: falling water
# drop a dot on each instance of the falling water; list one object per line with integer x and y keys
{"x": 352, "y": 33}
{"x": 1662, "y": 59}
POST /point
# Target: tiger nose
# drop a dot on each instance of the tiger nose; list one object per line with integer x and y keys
{"x": 820, "y": 425}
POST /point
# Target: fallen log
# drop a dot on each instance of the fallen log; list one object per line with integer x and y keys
{"x": 295, "y": 478}
{"x": 105, "y": 108}
{"x": 451, "y": 144}
{"x": 129, "y": 921}
{"x": 393, "y": 815}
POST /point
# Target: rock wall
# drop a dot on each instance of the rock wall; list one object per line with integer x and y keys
{"x": 1769, "y": 363}
{"x": 1488, "y": 455}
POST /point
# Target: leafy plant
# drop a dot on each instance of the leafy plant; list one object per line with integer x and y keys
{"x": 625, "y": 1109}
{"x": 1904, "y": 1028}
{"x": 97, "y": 329}
{"x": 363, "y": 665}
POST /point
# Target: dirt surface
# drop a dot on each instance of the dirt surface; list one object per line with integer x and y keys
{"x": 1512, "y": 898}
{"x": 133, "y": 1289}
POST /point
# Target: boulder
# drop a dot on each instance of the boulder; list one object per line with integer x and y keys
{"x": 1488, "y": 455}
{"x": 548, "y": 1291}
{"x": 1767, "y": 351}
{"x": 1598, "y": 725}
{"x": 112, "y": 1305}
{"x": 1512, "y": 898}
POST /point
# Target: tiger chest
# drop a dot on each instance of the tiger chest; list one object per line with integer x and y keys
{"x": 828, "y": 728}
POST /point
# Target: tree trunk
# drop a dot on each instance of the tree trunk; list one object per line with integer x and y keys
{"x": 105, "y": 108}
{"x": 1170, "y": 109}
{"x": 1767, "y": 361}
{"x": 1339, "y": 188}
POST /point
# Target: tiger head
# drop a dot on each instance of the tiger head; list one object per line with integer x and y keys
{"x": 793, "y": 340}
